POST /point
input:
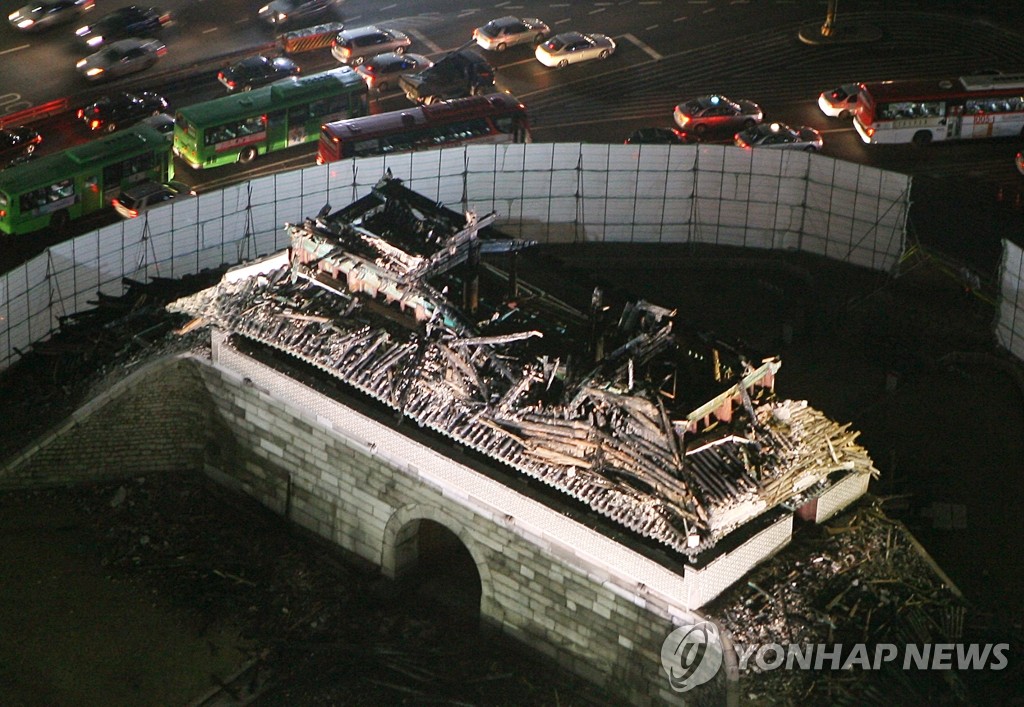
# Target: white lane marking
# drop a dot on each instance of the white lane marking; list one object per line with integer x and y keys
{"x": 645, "y": 48}
{"x": 211, "y": 30}
{"x": 15, "y": 49}
{"x": 600, "y": 9}
{"x": 434, "y": 48}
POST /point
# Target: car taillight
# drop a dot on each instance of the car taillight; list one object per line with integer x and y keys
{"x": 95, "y": 124}
{"x": 80, "y": 114}
{"x": 870, "y": 132}
{"x": 346, "y": 52}
{"x": 161, "y": 51}
{"x": 683, "y": 119}
{"x": 165, "y": 18}
{"x": 132, "y": 213}
{"x": 3, "y": 213}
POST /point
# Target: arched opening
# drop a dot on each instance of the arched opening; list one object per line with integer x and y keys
{"x": 436, "y": 572}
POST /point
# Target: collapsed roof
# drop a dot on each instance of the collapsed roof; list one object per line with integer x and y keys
{"x": 678, "y": 441}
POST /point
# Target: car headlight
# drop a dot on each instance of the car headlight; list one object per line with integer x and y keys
{"x": 82, "y": 31}
{"x": 26, "y": 23}
{"x": 265, "y": 9}
{"x": 95, "y": 71}
{"x": 93, "y": 41}
{"x": 80, "y": 64}
{"x": 281, "y": 17}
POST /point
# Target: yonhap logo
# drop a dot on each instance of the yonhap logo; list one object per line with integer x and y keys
{"x": 691, "y": 655}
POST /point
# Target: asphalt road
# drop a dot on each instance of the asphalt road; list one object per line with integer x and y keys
{"x": 966, "y": 195}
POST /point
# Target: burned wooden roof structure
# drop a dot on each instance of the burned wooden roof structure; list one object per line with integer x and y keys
{"x": 400, "y": 297}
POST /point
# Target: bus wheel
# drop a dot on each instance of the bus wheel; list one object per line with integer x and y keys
{"x": 247, "y": 155}
{"x": 59, "y": 221}
{"x": 922, "y": 137}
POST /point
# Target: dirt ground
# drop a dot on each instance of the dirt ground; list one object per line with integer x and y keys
{"x": 157, "y": 592}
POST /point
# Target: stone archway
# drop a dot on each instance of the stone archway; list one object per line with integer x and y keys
{"x": 429, "y": 551}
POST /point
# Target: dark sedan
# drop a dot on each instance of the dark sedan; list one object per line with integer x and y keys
{"x": 130, "y": 21}
{"x": 16, "y": 143}
{"x": 659, "y": 136}
{"x": 112, "y": 112}
{"x": 256, "y": 71}
{"x": 282, "y": 13}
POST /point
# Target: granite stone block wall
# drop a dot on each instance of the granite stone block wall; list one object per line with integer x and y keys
{"x": 590, "y": 604}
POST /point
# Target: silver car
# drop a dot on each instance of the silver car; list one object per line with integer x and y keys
{"x": 497, "y": 35}
{"x": 139, "y": 198}
{"x": 780, "y": 136}
{"x": 125, "y": 56}
{"x": 572, "y": 47}
{"x": 48, "y": 13}
{"x": 353, "y": 46}
{"x": 716, "y": 113}
{"x": 381, "y": 72}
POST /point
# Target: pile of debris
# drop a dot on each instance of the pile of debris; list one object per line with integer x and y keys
{"x": 680, "y": 442}
{"x": 89, "y": 347}
{"x": 860, "y": 579}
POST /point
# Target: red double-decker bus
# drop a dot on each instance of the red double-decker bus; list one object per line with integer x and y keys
{"x": 494, "y": 118}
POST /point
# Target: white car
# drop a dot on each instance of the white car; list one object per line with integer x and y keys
{"x": 120, "y": 58}
{"x": 840, "y": 102}
{"x": 571, "y": 47}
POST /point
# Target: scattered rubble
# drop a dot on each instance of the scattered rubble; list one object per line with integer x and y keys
{"x": 859, "y": 579}
{"x": 318, "y": 628}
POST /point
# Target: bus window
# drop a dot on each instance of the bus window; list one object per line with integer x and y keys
{"x": 45, "y": 196}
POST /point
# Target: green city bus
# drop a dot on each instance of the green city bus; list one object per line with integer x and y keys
{"x": 238, "y": 127}
{"x": 52, "y": 190}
